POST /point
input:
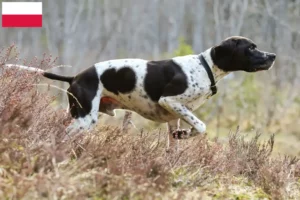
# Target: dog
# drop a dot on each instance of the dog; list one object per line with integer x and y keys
{"x": 162, "y": 91}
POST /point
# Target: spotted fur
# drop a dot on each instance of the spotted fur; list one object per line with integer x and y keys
{"x": 162, "y": 91}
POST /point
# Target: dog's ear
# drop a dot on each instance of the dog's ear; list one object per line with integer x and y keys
{"x": 226, "y": 48}
{"x": 222, "y": 54}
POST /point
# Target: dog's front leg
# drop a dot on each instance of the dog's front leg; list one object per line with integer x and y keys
{"x": 182, "y": 112}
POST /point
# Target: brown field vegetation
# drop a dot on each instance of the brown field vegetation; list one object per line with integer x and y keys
{"x": 107, "y": 164}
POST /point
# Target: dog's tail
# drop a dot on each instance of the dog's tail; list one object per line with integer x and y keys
{"x": 52, "y": 76}
{"x": 49, "y": 75}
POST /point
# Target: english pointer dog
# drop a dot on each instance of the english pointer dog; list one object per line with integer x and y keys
{"x": 162, "y": 91}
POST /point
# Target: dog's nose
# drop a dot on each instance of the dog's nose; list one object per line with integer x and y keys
{"x": 272, "y": 56}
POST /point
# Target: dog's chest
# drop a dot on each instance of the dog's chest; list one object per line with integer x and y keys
{"x": 198, "y": 90}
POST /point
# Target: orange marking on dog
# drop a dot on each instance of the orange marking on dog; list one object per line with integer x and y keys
{"x": 108, "y": 100}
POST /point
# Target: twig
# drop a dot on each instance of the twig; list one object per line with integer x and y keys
{"x": 49, "y": 85}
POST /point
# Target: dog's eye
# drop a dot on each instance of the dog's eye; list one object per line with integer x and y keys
{"x": 252, "y": 47}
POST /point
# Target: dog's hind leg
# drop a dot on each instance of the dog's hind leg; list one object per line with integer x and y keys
{"x": 87, "y": 121}
{"x": 95, "y": 109}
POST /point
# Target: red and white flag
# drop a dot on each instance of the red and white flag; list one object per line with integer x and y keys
{"x": 22, "y": 14}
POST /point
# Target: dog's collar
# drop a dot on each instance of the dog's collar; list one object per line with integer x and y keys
{"x": 213, "y": 86}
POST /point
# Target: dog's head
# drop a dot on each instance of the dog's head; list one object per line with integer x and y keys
{"x": 241, "y": 54}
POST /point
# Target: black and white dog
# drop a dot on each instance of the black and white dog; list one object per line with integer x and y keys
{"x": 162, "y": 91}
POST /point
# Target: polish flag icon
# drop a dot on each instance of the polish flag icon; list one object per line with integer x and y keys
{"x": 22, "y": 14}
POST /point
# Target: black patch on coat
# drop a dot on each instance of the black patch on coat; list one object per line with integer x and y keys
{"x": 122, "y": 81}
{"x": 84, "y": 87}
{"x": 164, "y": 78}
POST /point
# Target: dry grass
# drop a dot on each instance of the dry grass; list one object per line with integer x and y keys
{"x": 107, "y": 164}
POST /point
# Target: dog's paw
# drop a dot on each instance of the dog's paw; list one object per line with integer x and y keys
{"x": 181, "y": 134}
{"x": 185, "y": 133}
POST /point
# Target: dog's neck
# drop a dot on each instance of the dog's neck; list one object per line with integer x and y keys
{"x": 217, "y": 72}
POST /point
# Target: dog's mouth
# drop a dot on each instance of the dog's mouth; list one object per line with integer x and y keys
{"x": 263, "y": 65}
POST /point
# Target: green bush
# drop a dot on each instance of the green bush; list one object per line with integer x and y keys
{"x": 183, "y": 48}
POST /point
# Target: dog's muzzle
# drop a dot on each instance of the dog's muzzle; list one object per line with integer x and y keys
{"x": 271, "y": 58}
{"x": 265, "y": 63}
